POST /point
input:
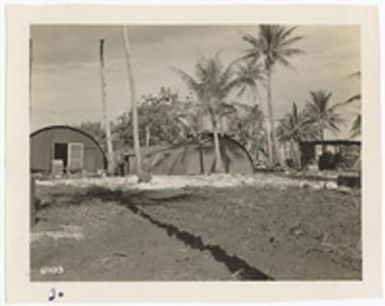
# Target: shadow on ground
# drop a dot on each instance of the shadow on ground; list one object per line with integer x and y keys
{"x": 257, "y": 233}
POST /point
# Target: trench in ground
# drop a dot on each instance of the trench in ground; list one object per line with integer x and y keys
{"x": 237, "y": 266}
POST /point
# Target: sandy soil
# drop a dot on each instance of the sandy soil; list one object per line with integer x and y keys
{"x": 104, "y": 241}
{"x": 196, "y": 228}
{"x": 295, "y": 234}
{"x": 180, "y": 181}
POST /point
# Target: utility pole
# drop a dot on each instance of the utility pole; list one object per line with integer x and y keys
{"x": 110, "y": 152}
{"x": 32, "y": 206}
{"x": 135, "y": 128}
{"x": 30, "y": 74}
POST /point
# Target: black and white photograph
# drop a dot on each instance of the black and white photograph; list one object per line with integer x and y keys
{"x": 192, "y": 153}
{"x": 195, "y": 152}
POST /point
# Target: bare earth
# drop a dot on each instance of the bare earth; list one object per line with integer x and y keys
{"x": 218, "y": 227}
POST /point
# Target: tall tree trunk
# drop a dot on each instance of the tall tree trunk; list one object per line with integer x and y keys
{"x": 270, "y": 121}
{"x": 201, "y": 160}
{"x": 269, "y": 144}
{"x": 295, "y": 154}
{"x": 30, "y": 74}
{"x": 254, "y": 102}
{"x": 322, "y": 135}
{"x": 135, "y": 128}
{"x": 218, "y": 157}
{"x": 110, "y": 152}
{"x": 147, "y": 136}
{"x": 321, "y": 131}
{"x": 274, "y": 149}
{"x": 292, "y": 152}
{"x": 222, "y": 125}
{"x": 32, "y": 208}
{"x": 298, "y": 155}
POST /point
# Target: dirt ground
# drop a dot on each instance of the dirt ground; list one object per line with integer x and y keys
{"x": 260, "y": 227}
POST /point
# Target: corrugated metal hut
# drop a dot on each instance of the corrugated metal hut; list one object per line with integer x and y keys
{"x": 198, "y": 157}
{"x": 129, "y": 164}
{"x": 63, "y": 149}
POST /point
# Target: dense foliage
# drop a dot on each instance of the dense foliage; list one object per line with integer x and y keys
{"x": 213, "y": 105}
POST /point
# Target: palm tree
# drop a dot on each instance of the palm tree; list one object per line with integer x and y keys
{"x": 250, "y": 75}
{"x": 107, "y": 123}
{"x": 246, "y": 124}
{"x": 135, "y": 126}
{"x": 355, "y": 129}
{"x": 273, "y": 46}
{"x": 212, "y": 85}
{"x": 293, "y": 128}
{"x": 356, "y": 125}
{"x": 324, "y": 115}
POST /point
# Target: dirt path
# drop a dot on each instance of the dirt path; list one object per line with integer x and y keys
{"x": 249, "y": 231}
{"x": 107, "y": 242}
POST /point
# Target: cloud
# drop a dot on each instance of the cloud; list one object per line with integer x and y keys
{"x": 66, "y": 76}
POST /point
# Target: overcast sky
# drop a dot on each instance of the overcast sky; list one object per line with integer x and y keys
{"x": 66, "y": 78}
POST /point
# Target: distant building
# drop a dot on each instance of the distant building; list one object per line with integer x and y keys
{"x": 63, "y": 149}
{"x": 331, "y": 154}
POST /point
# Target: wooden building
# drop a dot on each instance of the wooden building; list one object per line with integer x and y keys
{"x": 331, "y": 154}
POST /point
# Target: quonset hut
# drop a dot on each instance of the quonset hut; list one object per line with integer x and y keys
{"x": 63, "y": 149}
{"x": 196, "y": 157}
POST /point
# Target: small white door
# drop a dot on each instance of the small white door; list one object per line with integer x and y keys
{"x": 75, "y": 156}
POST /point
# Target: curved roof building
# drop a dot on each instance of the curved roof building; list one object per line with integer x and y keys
{"x": 63, "y": 149}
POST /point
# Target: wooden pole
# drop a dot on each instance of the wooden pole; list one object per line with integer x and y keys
{"x": 30, "y": 74}
{"x": 32, "y": 204}
{"x": 110, "y": 152}
{"x": 135, "y": 128}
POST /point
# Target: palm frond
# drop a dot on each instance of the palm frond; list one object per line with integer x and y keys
{"x": 273, "y": 44}
{"x": 284, "y": 62}
{"x": 356, "y": 97}
{"x": 287, "y": 31}
{"x": 252, "y": 55}
{"x": 190, "y": 81}
{"x": 356, "y": 126}
{"x": 251, "y": 40}
{"x": 291, "y": 51}
{"x": 225, "y": 109}
{"x": 292, "y": 40}
{"x": 356, "y": 74}
{"x": 324, "y": 115}
{"x": 295, "y": 112}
